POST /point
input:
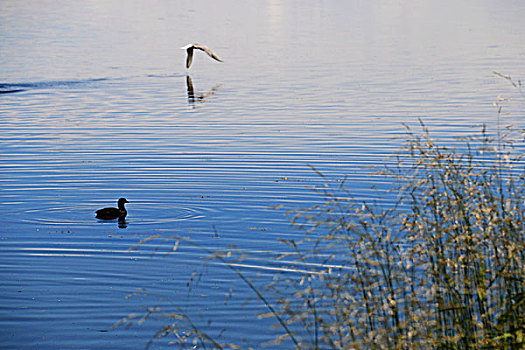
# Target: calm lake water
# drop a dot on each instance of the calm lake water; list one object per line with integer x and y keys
{"x": 96, "y": 105}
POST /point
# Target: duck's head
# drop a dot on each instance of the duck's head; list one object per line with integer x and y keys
{"x": 122, "y": 201}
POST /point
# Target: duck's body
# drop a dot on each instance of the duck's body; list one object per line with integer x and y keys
{"x": 113, "y": 213}
{"x": 189, "y": 50}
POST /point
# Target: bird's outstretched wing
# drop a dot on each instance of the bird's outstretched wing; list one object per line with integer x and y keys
{"x": 189, "y": 57}
{"x": 208, "y": 51}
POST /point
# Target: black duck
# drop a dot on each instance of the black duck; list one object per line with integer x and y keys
{"x": 113, "y": 213}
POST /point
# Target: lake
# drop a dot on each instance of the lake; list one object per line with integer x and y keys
{"x": 96, "y": 104}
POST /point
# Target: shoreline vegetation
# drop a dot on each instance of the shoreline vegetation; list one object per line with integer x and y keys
{"x": 443, "y": 268}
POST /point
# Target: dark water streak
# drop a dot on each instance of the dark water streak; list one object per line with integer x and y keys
{"x": 19, "y": 87}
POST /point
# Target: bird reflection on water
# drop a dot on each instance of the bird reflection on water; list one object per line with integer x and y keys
{"x": 122, "y": 223}
{"x": 199, "y": 96}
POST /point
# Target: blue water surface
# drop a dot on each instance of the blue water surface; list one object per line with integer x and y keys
{"x": 96, "y": 104}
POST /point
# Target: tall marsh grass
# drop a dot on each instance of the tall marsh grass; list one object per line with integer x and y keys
{"x": 443, "y": 268}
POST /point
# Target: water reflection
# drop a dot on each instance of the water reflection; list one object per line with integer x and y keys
{"x": 121, "y": 222}
{"x": 199, "y": 96}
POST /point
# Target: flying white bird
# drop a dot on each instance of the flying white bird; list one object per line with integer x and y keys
{"x": 189, "y": 50}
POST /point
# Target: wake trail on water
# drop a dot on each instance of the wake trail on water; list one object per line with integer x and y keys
{"x": 8, "y": 88}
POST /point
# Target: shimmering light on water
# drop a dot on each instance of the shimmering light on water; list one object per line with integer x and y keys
{"x": 96, "y": 104}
